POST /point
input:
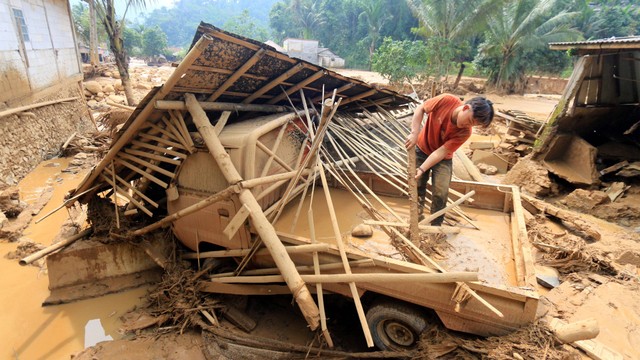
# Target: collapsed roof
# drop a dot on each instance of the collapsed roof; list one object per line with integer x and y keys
{"x": 228, "y": 74}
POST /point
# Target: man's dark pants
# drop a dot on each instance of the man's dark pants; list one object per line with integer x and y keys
{"x": 440, "y": 179}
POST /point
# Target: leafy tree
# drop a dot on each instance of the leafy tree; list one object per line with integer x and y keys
{"x": 374, "y": 15}
{"x": 114, "y": 27}
{"x": 515, "y": 32}
{"x": 245, "y": 25}
{"x": 132, "y": 41}
{"x": 400, "y": 60}
{"x": 80, "y": 14}
{"x": 451, "y": 26}
{"x": 614, "y": 20}
{"x": 154, "y": 41}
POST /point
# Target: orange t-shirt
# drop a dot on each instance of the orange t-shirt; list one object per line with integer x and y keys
{"x": 439, "y": 130}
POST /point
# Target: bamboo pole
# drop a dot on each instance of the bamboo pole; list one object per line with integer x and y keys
{"x": 298, "y": 249}
{"x": 303, "y": 268}
{"x": 125, "y": 194}
{"x": 455, "y": 203}
{"x": 158, "y": 149}
{"x": 264, "y": 228}
{"x": 430, "y": 278}
{"x": 152, "y": 156}
{"x": 275, "y": 148}
{"x": 126, "y": 107}
{"x": 163, "y": 141}
{"x": 133, "y": 189}
{"x": 319, "y": 292}
{"x": 413, "y": 196}
{"x": 144, "y": 174}
{"x": 115, "y": 191}
{"x": 221, "y": 106}
{"x": 345, "y": 261}
{"x": 48, "y": 250}
{"x": 148, "y": 165}
{"x": 33, "y": 106}
{"x": 224, "y": 194}
{"x": 423, "y": 228}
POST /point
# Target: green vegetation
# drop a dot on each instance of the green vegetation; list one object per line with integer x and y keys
{"x": 503, "y": 40}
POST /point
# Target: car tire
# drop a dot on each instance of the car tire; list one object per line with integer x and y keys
{"x": 396, "y": 325}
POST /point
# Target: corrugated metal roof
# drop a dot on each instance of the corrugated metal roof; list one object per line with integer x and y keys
{"x": 630, "y": 42}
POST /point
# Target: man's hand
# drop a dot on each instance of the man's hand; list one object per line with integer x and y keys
{"x": 411, "y": 141}
{"x": 419, "y": 172}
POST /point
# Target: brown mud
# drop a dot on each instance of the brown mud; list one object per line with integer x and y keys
{"x": 598, "y": 279}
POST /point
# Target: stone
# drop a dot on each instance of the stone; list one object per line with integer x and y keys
{"x": 487, "y": 169}
{"x": 362, "y": 230}
{"x": 92, "y": 104}
{"x": 93, "y": 86}
{"x": 585, "y": 200}
{"x": 108, "y": 88}
{"x": 117, "y": 99}
{"x": 115, "y": 75}
{"x": 10, "y": 203}
{"x": 142, "y": 86}
{"x": 117, "y": 85}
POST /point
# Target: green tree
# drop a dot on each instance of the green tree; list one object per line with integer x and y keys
{"x": 246, "y": 25}
{"x": 154, "y": 41}
{"x": 515, "y": 32}
{"x": 374, "y": 15}
{"x": 400, "y": 60}
{"x": 80, "y": 14}
{"x": 451, "y": 26}
{"x": 114, "y": 26}
{"x": 132, "y": 41}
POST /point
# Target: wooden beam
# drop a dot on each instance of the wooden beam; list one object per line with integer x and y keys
{"x": 264, "y": 228}
{"x": 162, "y": 141}
{"x": 149, "y": 165}
{"x": 359, "y": 96}
{"x": 144, "y": 174}
{"x": 132, "y": 188}
{"x": 220, "y": 106}
{"x": 33, "y": 106}
{"x": 298, "y": 86}
{"x": 297, "y": 249}
{"x": 273, "y": 83}
{"x": 432, "y": 278}
{"x": 152, "y": 156}
{"x": 236, "y": 75}
{"x": 237, "y": 221}
{"x": 222, "y": 121}
{"x": 159, "y": 149}
{"x": 126, "y": 194}
{"x": 330, "y": 93}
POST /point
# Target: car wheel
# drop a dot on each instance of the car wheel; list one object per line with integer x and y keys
{"x": 395, "y": 325}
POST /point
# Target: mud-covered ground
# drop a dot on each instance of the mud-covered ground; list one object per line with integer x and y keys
{"x": 598, "y": 278}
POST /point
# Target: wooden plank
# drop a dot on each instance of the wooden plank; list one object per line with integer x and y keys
{"x": 152, "y": 156}
{"x": 221, "y": 106}
{"x": 144, "y": 174}
{"x": 339, "y": 90}
{"x": 149, "y": 165}
{"x": 273, "y": 83}
{"x": 162, "y": 141}
{"x": 237, "y": 221}
{"x": 236, "y": 75}
{"x": 126, "y": 194}
{"x": 529, "y": 269}
{"x": 432, "y": 278}
{"x": 132, "y": 188}
{"x": 298, "y": 86}
{"x": 362, "y": 95}
{"x": 159, "y": 149}
{"x": 243, "y": 289}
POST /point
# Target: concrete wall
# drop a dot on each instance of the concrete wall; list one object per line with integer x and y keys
{"x": 47, "y": 58}
{"x": 46, "y": 67}
{"x": 302, "y": 49}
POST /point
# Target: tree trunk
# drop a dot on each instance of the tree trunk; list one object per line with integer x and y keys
{"x": 114, "y": 30}
{"x": 455, "y": 84}
{"x": 93, "y": 34}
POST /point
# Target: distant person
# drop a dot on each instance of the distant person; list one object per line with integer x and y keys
{"x": 448, "y": 126}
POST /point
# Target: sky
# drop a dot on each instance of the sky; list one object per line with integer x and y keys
{"x": 136, "y": 15}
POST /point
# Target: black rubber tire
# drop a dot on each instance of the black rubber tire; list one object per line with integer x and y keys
{"x": 396, "y": 325}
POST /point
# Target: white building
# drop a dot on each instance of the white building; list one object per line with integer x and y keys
{"x": 310, "y": 51}
{"x": 37, "y": 46}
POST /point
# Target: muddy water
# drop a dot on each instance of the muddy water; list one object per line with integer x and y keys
{"x": 28, "y": 330}
{"x": 490, "y": 253}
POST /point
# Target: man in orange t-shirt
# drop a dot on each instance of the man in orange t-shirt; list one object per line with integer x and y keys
{"x": 448, "y": 126}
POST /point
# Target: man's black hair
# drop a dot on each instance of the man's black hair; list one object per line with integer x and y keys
{"x": 482, "y": 110}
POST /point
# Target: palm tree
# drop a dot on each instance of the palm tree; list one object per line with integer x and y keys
{"x": 450, "y": 23}
{"x": 374, "y": 14}
{"x": 308, "y": 15}
{"x": 114, "y": 28}
{"x": 523, "y": 26}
